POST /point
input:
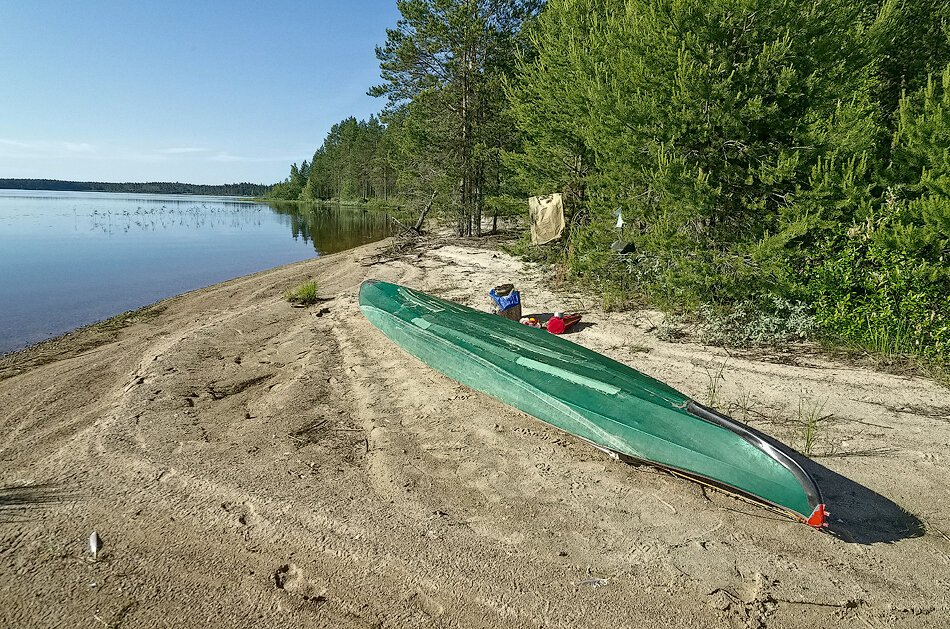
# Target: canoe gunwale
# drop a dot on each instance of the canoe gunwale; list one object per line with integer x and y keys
{"x": 759, "y": 441}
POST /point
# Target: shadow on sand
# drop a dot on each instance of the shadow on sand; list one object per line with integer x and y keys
{"x": 577, "y": 327}
{"x": 857, "y": 514}
{"x": 17, "y": 501}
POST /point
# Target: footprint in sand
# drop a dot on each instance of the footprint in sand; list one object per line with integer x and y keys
{"x": 293, "y": 580}
{"x": 428, "y": 605}
{"x": 244, "y": 514}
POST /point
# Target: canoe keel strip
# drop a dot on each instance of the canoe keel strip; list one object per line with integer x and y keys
{"x": 606, "y": 403}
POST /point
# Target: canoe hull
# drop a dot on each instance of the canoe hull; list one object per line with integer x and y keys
{"x": 593, "y": 397}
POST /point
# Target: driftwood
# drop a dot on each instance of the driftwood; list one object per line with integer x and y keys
{"x": 399, "y": 248}
{"x": 405, "y": 243}
{"x": 416, "y": 230}
{"x": 422, "y": 217}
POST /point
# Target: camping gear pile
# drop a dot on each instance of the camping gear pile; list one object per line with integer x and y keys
{"x": 506, "y": 301}
{"x": 530, "y": 322}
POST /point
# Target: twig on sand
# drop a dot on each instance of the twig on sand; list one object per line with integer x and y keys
{"x": 666, "y": 503}
{"x": 592, "y": 582}
{"x": 396, "y": 250}
{"x": 727, "y": 594}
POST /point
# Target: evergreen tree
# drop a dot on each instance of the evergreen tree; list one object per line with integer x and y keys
{"x": 549, "y": 101}
{"x": 909, "y": 40}
{"x": 700, "y": 120}
{"x": 442, "y": 58}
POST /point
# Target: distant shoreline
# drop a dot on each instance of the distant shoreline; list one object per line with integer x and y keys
{"x": 243, "y": 189}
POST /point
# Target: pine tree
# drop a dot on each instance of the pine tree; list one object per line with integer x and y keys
{"x": 440, "y": 62}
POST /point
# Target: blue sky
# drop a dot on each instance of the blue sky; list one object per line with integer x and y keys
{"x": 194, "y": 91}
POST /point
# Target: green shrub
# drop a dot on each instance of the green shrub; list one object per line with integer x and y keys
{"x": 875, "y": 293}
{"x": 768, "y": 321}
{"x": 305, "y": 294}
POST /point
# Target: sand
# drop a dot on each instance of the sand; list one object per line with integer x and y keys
{"x": 251, "y": 464}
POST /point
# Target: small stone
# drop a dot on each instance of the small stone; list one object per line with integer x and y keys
{"x": 95, "y": 545}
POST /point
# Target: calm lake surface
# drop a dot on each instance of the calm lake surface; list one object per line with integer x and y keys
{"x": 68, "y": 259}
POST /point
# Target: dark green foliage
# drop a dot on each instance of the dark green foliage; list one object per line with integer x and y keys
{"x": 757, "y": 153}
{"x": 885, "y": 282}
{"x": 908, "y": 40}
{"x": 880, "y": 296}
{"x": 290, "y": 188}
{"x": 702, "y": 119}
{"x": 442, "y": 67}
{"x": 421, "y": 155}
{"x": 782, "y": 167}
{"x": 352, "y": 164}
{"x": 551, "y": 150}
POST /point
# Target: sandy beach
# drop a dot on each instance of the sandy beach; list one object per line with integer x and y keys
{"x": 252, "y": 464}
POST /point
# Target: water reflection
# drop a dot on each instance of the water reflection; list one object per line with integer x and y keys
{"x": 332, "y": 228}
{"x": 72, "y": 258}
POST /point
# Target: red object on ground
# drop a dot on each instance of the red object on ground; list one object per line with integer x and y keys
{"x": 818, "y": 517}
{"x": 559, "y": 325}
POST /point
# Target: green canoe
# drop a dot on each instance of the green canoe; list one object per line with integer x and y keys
{"x": 600, "y": 400}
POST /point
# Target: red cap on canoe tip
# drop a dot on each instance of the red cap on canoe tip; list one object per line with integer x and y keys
{"x": 818, "y": 517}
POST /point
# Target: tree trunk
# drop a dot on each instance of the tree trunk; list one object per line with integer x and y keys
{"x": 478, "y": 200}
{"x": 422, "y": 217}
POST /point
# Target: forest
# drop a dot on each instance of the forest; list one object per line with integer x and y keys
{"x": 155, "y": 187}
{"x": 782, "y": 168}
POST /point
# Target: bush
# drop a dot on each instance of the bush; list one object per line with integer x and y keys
{"x": 305, "y": 294}
{"x": 770, "y": 321}
{"x": 882, "y": 298}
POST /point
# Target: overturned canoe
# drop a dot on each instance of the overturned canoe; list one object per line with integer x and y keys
{"x": 600, "y": 400}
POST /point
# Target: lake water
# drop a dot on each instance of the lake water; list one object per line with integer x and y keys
{"x": 68, "y": 259}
